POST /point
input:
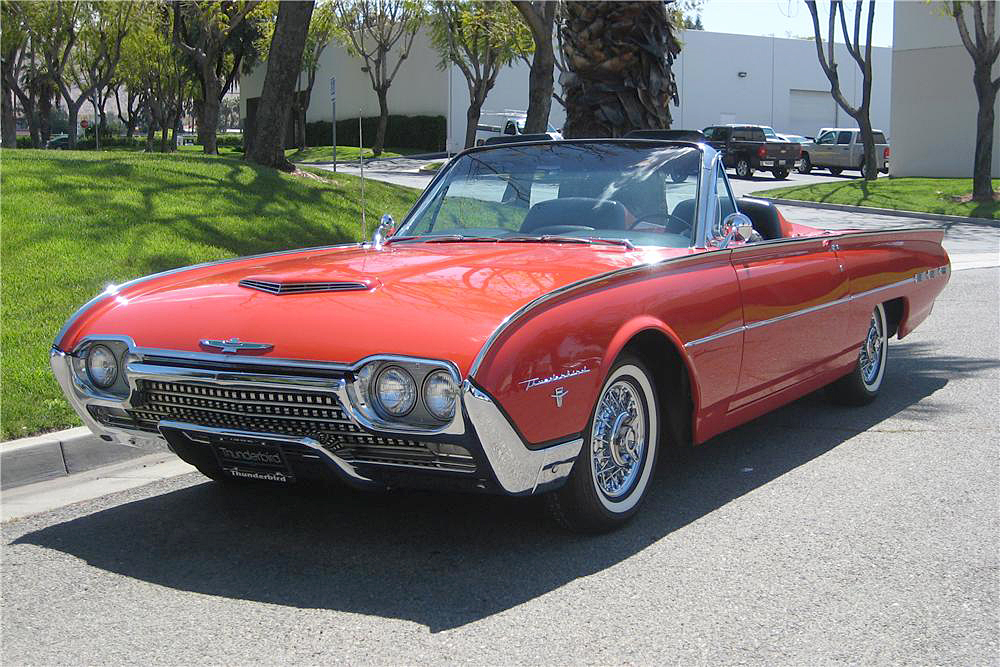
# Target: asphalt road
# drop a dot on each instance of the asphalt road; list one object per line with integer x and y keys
{"x": 814, "y": 535}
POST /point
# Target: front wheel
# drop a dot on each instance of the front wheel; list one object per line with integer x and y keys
{"x": 743, "y": 168}
{"x": 805, "y": 165}
{"x": 862, "y": 384}
{"x": 612, "y": 473}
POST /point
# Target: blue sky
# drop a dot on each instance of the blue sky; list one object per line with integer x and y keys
{"x": 787, "y": 18}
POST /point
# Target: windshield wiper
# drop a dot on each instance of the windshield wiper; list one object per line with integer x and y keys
{"x": 443, "y": 238}
{"x": 555, "y": 238}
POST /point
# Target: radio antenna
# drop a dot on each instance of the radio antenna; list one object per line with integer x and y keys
{"x": 361, "y": 157}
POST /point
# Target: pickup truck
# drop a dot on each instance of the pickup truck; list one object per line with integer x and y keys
{"x": 746, "y": 148}
{"x": 840, "y": 148}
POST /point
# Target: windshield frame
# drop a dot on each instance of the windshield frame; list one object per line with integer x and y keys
{"x": 705, "y": 187}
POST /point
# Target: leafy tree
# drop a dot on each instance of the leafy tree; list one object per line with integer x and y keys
{"x": 984, "y": 50}
{"x": 284, "y": 62}
{"x": 204, "y": 30}
{"x": 480, "y": 38}
{"x": 861, "y": 112}
{"x": 371, "y": 30}
{"x": 618, "y": 57}
{"x": 13, "y": 50}
{"x": 540, "y": 16}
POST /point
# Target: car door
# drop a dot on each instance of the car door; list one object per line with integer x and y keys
{"x": 822, "y": 150}
{"x": 795, "y": 311}
{"x": 842, "y": 150}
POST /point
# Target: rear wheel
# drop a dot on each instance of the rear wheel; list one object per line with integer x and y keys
{"x": 836, "y": 171}
{"x": 780, "y": 173}
{"x": 743, "y": 168}
{"x": 862, "y": 384}
{"x": 805, "y": 165}
{"x": 612, "y": 473}
{"x": 864, "y": 171}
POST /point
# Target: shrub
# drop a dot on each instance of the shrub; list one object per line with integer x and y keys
{"x": 419, "y": 132}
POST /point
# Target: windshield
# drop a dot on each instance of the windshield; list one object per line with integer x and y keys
{"x": 635, "y": 193}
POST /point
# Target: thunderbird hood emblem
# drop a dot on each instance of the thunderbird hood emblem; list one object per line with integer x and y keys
{"x": 234, "y": 345}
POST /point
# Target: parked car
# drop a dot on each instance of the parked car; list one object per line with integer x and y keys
{"x": 839, "y": 148}
{"x": 746, "y": 148}
{"x": 58, "y": 142}
{"x": 508, "y": 123}
{"x": 796, "y": 139}
{"x": 548, "y": 318}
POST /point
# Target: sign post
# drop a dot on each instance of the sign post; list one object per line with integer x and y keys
{"x": 333, "y": 118}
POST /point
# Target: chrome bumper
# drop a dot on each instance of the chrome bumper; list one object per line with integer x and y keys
{"x": 481, "y": 425}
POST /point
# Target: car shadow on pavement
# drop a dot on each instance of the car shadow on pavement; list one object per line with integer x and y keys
{"x": 445, "y": 560}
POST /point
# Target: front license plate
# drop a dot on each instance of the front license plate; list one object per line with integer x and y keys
{"x": 767, "y": 163}
{"x": 253, "y": 460}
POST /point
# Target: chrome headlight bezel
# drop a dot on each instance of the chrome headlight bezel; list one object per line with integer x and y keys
{"x": 120, "y": 349}
{"x": 418, "y": 417}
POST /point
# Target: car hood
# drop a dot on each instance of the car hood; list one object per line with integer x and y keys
{"x": 433, "y": 300}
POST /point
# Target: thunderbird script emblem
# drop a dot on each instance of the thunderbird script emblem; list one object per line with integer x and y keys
{"x": 235, "y": 345}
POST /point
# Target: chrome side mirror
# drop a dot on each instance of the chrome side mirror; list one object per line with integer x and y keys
{"x": 385, "y": 229}
{"x": 735, "y": 226}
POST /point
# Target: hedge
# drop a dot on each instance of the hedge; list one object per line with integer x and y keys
{"x": 420, "y": 132}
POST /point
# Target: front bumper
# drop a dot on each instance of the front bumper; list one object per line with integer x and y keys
{"x": 503, "y": 461}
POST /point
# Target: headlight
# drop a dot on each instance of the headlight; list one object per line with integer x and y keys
{"x": 395, "y": 391}
{"x": 102, "y": 366}
{"x": 439, "y": 395}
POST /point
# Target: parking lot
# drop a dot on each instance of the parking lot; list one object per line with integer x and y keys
{"x": 815, "y": 534}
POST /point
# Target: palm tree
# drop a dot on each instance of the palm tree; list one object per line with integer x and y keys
{"x": 618, "y": 57}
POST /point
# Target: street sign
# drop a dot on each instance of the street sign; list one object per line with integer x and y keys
{"x": 84, "y": 123}
{"x": 333, "y": 88}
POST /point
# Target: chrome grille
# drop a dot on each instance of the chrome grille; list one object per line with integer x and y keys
{"x": 302, "y": 288}
{"x": 316, "y": 415}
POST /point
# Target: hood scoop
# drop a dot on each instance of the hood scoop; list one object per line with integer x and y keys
{"x": 272, "y": 286}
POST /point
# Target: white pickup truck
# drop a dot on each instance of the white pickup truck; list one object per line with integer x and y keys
{"x": 509, "y": 123}
{"x": 840, "y": 148}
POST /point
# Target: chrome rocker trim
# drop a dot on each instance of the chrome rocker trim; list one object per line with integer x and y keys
{"x": 517, "y": 469}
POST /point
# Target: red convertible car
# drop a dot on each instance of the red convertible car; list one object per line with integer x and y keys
{"x": 548, "y": 318}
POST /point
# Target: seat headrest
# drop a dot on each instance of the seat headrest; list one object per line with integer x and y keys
{"x": 596, "y": 213}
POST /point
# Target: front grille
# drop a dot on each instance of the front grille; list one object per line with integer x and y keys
{"x": 312, "y": 414}
{"x": 302, "y": 288}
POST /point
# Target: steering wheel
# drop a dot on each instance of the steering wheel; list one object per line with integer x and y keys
{"x": 670, "y": 223}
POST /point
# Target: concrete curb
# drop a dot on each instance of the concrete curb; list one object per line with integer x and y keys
{"x": 936, "y": 217}
{"x": 58, "y": 454}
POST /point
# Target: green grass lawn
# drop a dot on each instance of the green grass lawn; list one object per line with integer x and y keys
{"x": 926, "y": 195}
{"x": 325, "y": 154}
{"x": 75, "y": 221}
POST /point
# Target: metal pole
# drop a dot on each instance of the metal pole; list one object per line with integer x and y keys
{"x": 333, "y": 119}
{"x": 361, "y": 157}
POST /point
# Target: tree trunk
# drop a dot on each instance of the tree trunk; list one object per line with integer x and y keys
{"x": 7, "y": 121}
{"x": 150, "y": 134}
{"x": 982, "y": 183}
{"x": 383, "y": 121}
{"x": 32, "y": 115}
{"x": 73, "y": 111}
{"x": 868, "y": 139}
{"x": 284, "y": 61}
{"x": 208, "y": 118}
{"x": 45, "y": 116}
{"x": 618, "y": 56}
{"x": 477, "y": 97}
{"x": 540, "y": 85}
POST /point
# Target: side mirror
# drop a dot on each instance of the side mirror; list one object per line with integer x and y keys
{"x": 385, "y": 229}
{"x": 735, "y": 226}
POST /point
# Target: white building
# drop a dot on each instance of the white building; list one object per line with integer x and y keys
{"x": 722, "y": 78}
{"x": 933, "y": 100}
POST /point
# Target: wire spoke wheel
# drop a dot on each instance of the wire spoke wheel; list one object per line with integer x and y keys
{"x": 618, "y": 439}
{"x": 870, "y": 355}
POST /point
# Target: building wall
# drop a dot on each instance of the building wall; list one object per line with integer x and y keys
{"x": 419, "y": 88}
{"x": 784, "y": 86}
{"x": 933, "y": 100}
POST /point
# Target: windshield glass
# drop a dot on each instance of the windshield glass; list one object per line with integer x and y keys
{"x": 636, "y": 193}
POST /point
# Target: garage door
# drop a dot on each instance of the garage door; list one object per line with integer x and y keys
{"x": 810, "y": 110}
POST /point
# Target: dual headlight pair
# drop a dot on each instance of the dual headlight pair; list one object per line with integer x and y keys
{"x": 398, "y": 392}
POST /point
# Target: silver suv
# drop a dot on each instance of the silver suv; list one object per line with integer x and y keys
{"x": 840, "y": 148}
